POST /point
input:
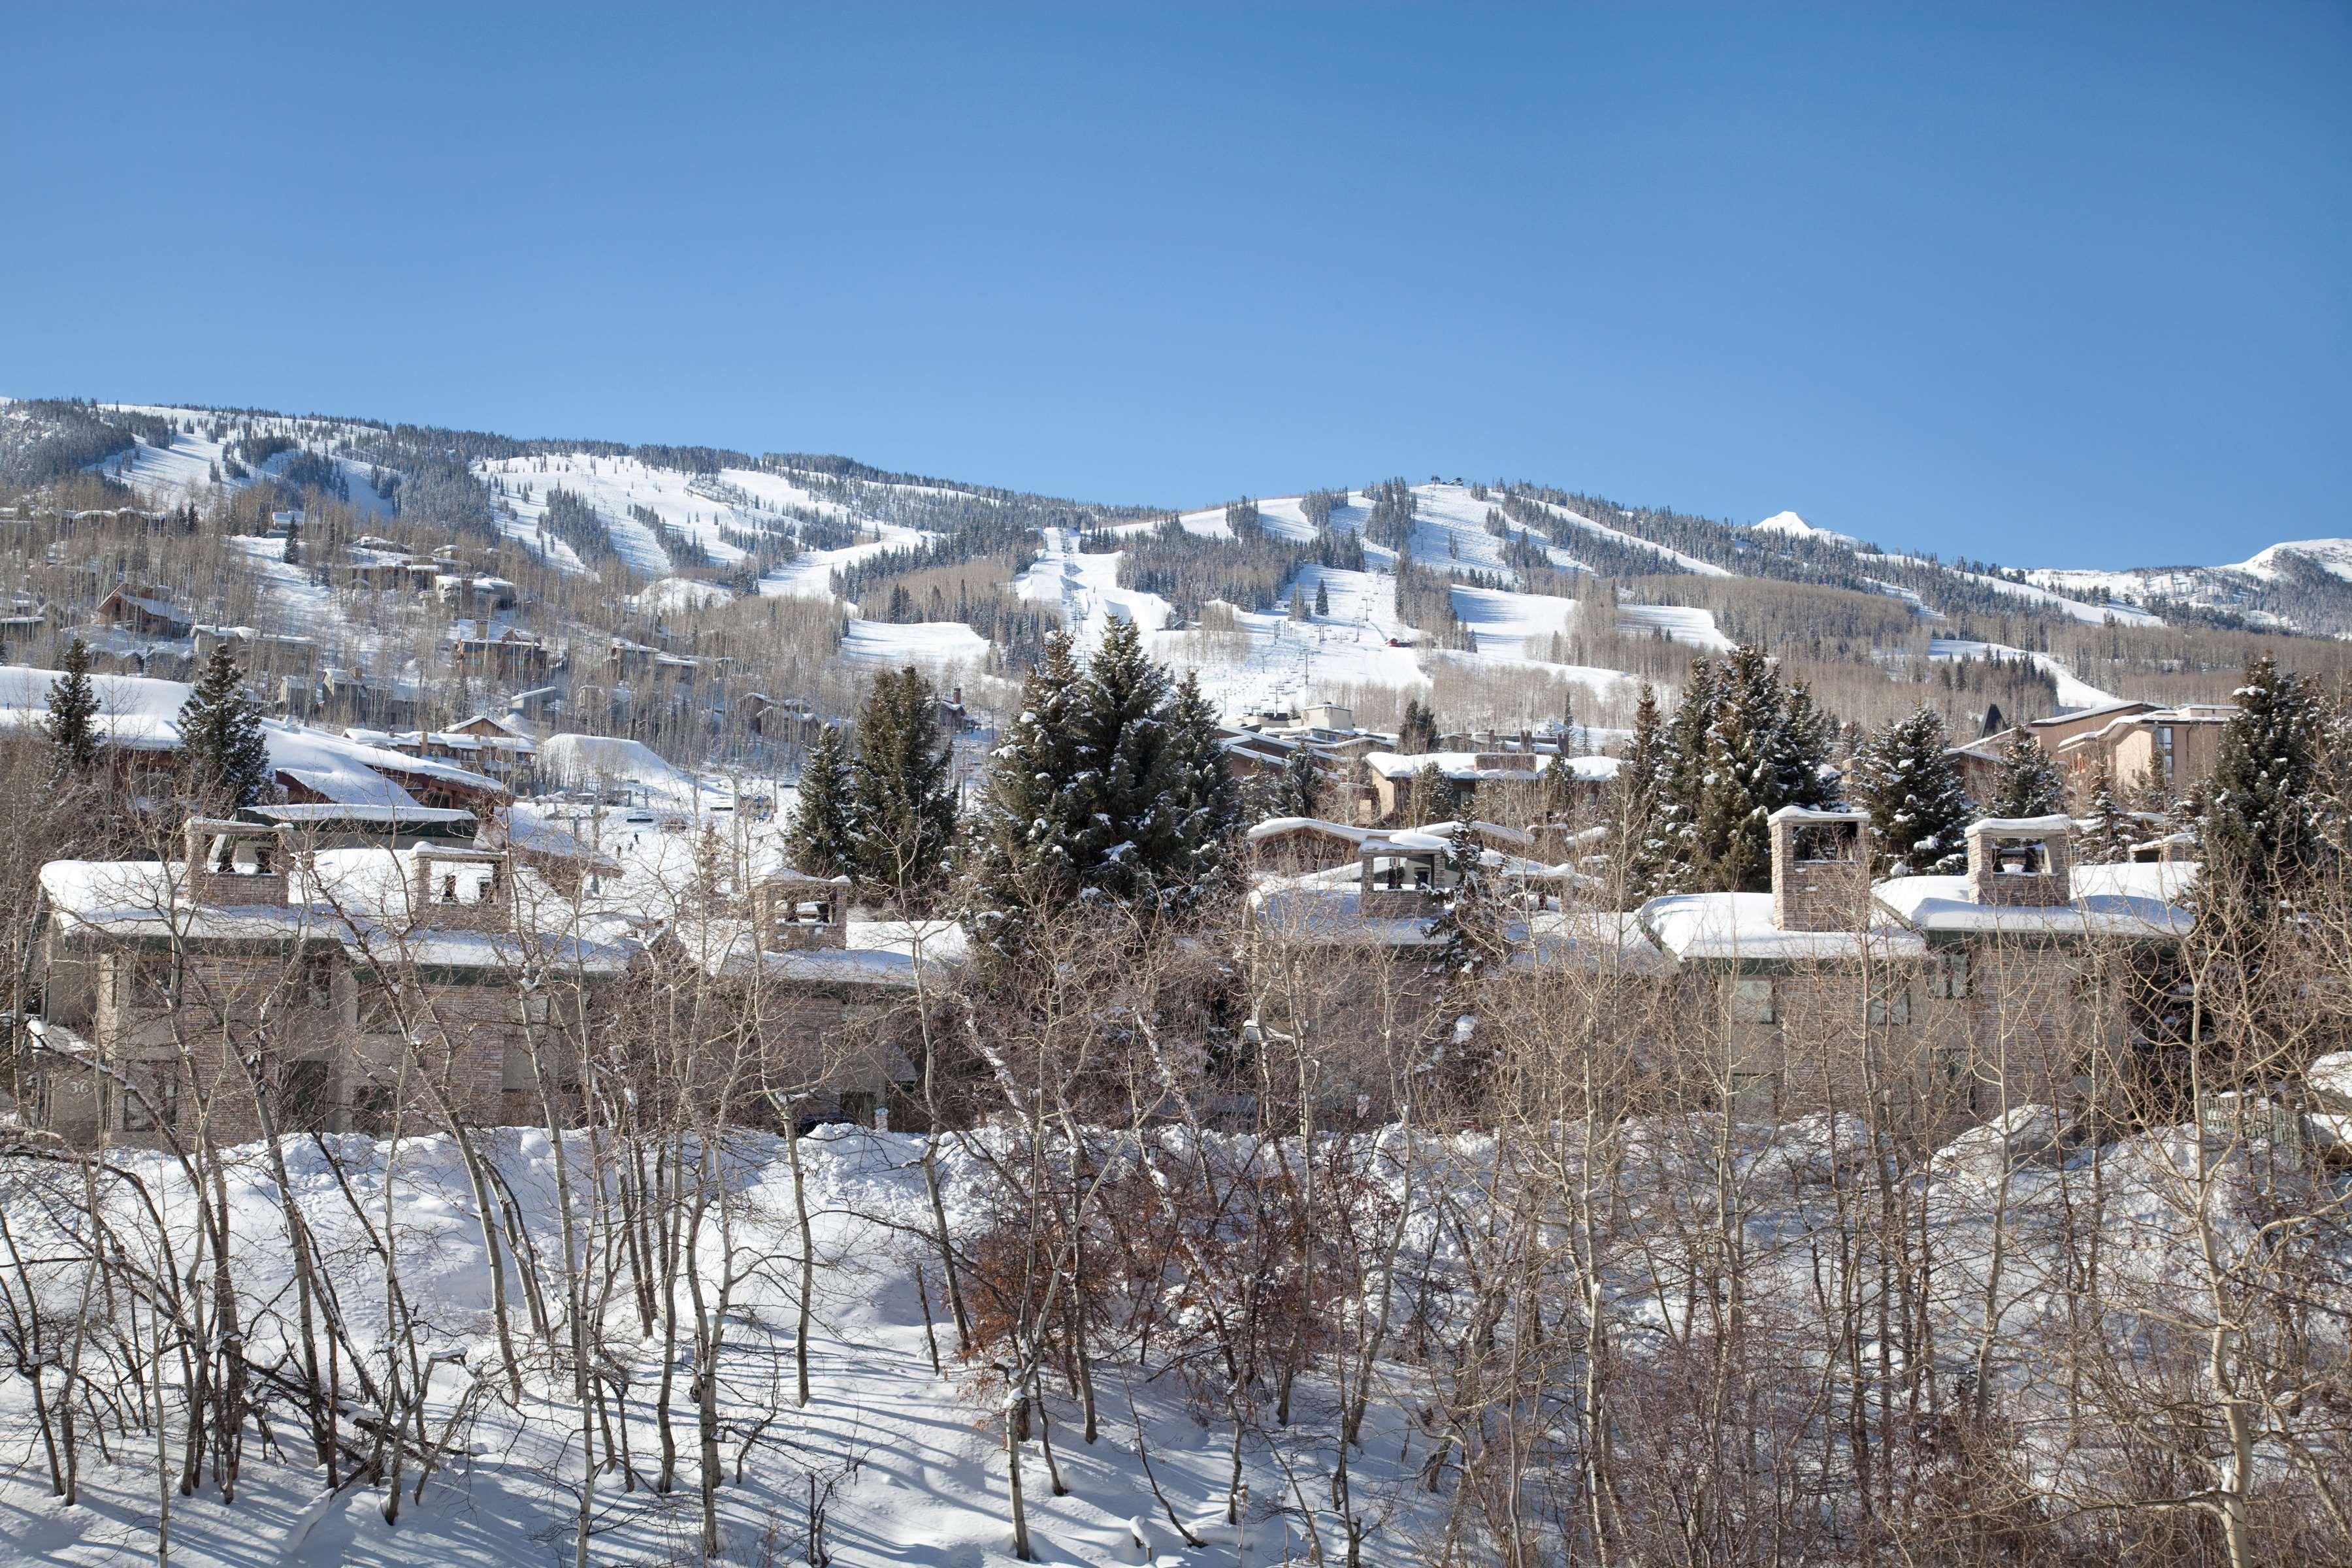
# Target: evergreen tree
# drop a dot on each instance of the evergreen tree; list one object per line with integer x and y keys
{"x": 2259, "y": 833}
{"x": 225, "y": 750}
{"x": 1299, "y": 791}
{"x": 1683, "y": 779}
{"x": 1752, "y": 771}
{"x": 1322, "y": 597}
{"x": 822, "y": 839}
{"x": 2029, "y": 783}
{"x": 1026, "y": 834}
{"x": 904, "y": 824}
{"x": 1203, "y": 790}
{"x": 293, "y": 552}
{"x": 1430, "y": 798}
{"x": 1464, "y": 934}
{"x": 1919, "y": 814}
{"x": 73, "y": 724}
{"x": 1417, "y": 731}
{"x": 1131, "y": 832}
{"x": 1811, "y": 738}
{"x": 1639, "y": 845}
{"x": 2110, "y": 830}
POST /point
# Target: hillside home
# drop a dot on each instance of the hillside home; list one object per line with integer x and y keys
{"x": 265, "y": 984}
{"x": 486, "y": 650}
{"x": 2178, "y": 748}
{"x": 144, "y": 612}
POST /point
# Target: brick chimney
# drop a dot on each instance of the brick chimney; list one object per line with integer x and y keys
{"x": 2021, "y": 861}
{"x": 233, "y": 864}
{"x": 1820, "y": 868}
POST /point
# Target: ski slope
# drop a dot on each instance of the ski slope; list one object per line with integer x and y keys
{"x": 2074, "y": 692}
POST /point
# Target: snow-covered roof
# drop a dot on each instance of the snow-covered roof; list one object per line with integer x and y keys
{"x": 1458, "y": 765}
{"x": 364, "y": 909}
{"x": 1274, "y": 827}
{"x": 2101, "y": 906}
{"x": 1740, "y": 927}
{"x": 1598, "y": 939}
{"x": 1801, "y": 814}
{"x": 2022, "y": 826}
{"x": 892, "y": 953}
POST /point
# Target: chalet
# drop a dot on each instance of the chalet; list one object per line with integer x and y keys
{"x": 489, "y": 650}
{"x": 472, "y": 594}
{"x": 144, "y": 612}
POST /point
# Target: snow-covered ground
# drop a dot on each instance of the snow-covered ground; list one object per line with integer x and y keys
{"x": 913, "y": 1456}
{"x": 2091, "y": 613}
{"x": 2072, "y": 691}
{"x": 932, "y": 643}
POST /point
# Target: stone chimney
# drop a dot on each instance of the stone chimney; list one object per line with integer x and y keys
{"x": 232, "y": 863}
{"x": 1820, "y": 868}
{"x": 2018, "y": 860}
{"x": 456, "y": 885}
{"x": 793, "y": 913}
{"x": 1402, "y": 876}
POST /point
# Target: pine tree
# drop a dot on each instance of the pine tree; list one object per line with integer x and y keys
{"x": 2106, "y": 840}
{"x": 1464, "y": 934}
{"x": 1429, "y": 797}
{"x": 1417, "y": 731}
{"x": 904, "y": 824}
{"x": 1203, "y": 792}
{"x": 2259, "y": 835}
{"x": 1299, "y": 791}
{"x": 821, "y": 840}
{"x": 226, "y": 751}
{"x": 1811, "y": 737}
{"x": 73, "y": 724}
{"x": 2029, "y": 783}
{"x": 1131, "y": 836}
{"x": 1322, "y": 597}
{"x": 1683, "y": 780}
{"x": 1752, "y": 771}
{"x": 1919, "y": 814}
{"x": 293, "y": 552}
{"x": 1026, "y": 834}
{"x": 1639, "y": 833}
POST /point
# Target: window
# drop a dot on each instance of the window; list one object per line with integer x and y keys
{"x": 1891, "y": 1008}
{"x": 152, "y": 1106}
{"x": 515, "y": 1074}
{"x": 304, "y": 1102}
{"x": 1949, "y": 980}
{"x": 537, "y": 1007}
{"x": 1753, "y": 1001}
{"x": 2164, "y": 751}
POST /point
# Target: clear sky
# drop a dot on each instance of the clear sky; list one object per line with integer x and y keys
{"x": 2056, "y": 285}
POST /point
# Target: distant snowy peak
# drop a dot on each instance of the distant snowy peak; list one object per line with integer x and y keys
{"x": 1789, "y": 524}
{"x": 2333, "y": 556}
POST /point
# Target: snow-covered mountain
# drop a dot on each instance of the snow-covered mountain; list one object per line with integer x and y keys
{"x": 1273, "y": 602}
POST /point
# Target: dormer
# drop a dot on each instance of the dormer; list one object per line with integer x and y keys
{"x": 233, "y": 864}
{"x": 1820, "y": 868}
{"x": 791, "y": 913}
{"x": 2021, "y": 861}
{"x": 1404, "y": 876}
{"x": 458, "y": 885}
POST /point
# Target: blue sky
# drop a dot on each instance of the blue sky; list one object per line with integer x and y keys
{"x": 2059, "y": 285}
